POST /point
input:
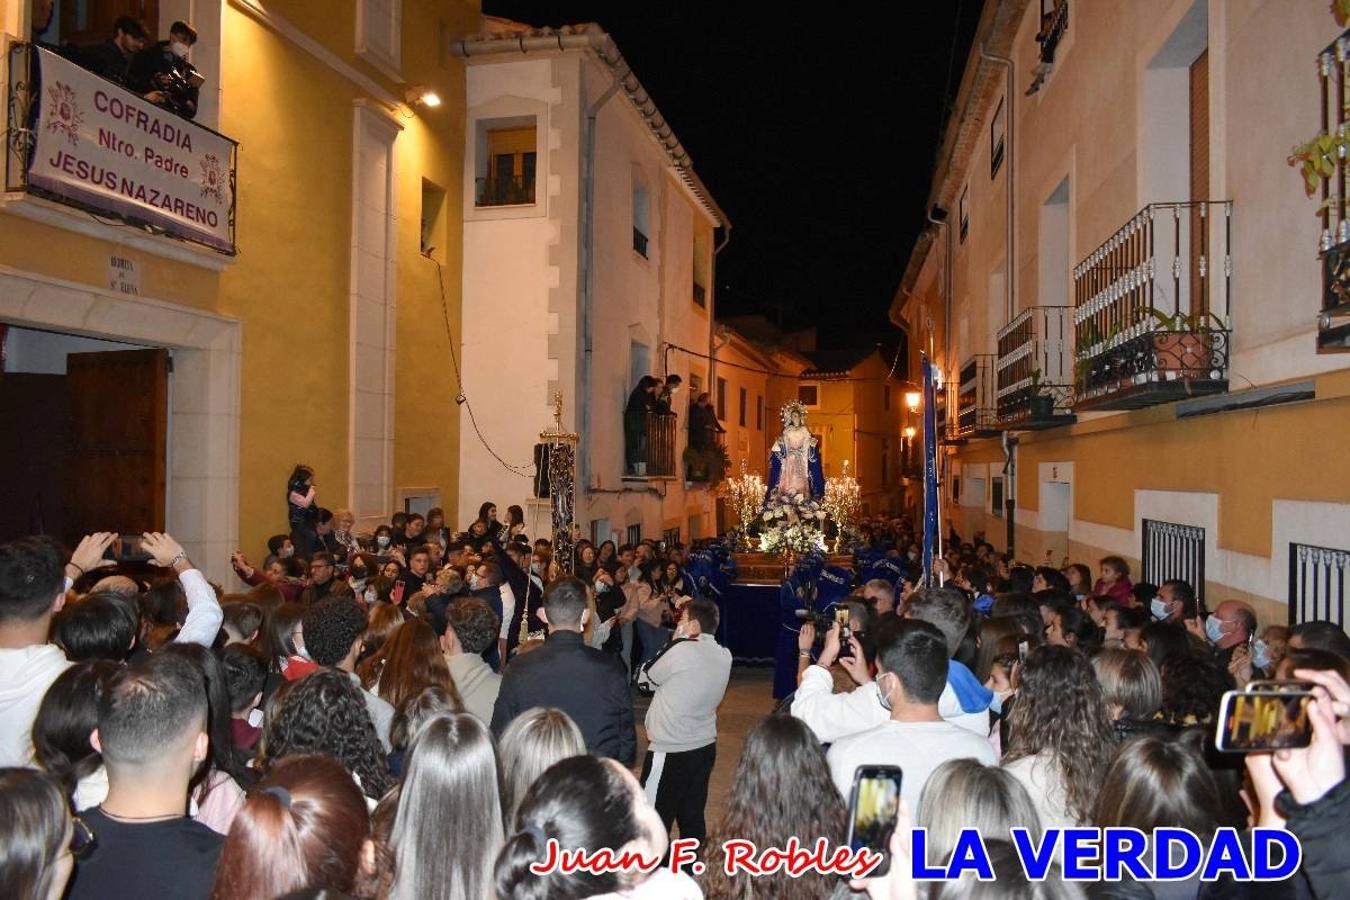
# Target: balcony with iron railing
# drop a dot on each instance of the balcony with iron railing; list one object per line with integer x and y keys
{"x": 976, "y": 407}
{"x": 1333, "y": 183}
{"x": 74, "y": 140}
{"x": 1035, "y": 369}
{"x": 640, "y": 242}
{"x": 944, "y": 418}
{"x": 1151, "y": 309}
{"x": 649, "y": 445}
{"x": 505, "y": 190}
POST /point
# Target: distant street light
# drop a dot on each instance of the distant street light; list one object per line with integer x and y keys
{"x": 910, "y": 431}
{"x": 912, "y": 399}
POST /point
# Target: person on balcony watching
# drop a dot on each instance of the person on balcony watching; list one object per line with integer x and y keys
{"x": 112, "y": 57}
{"x": 640, "y": 402}
{"x": 163, "y": 75}
{"x": 666, "y": 396}
{"x": 703, "y": 426}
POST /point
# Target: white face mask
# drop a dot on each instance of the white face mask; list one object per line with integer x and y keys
{"x": 371, "y": 598}
{"x": 382, "y": 540}
{"x": 255, "y": 718}
{"x": 1157, "y": 608}
{"x": 179, "y": 49}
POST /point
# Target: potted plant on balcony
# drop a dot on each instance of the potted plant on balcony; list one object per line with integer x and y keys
{"x": 1042, "y": 402}
{"x": 707, "y": 464}
{"x": 1184, "y": 343}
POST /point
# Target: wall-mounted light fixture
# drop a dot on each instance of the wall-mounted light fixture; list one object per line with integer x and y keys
{"x": 912, "y": 399}
{"x": 423, "y": 96}
{"x": 910, "y": 431}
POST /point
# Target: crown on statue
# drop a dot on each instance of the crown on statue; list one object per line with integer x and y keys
{"x": 791, "y": 408}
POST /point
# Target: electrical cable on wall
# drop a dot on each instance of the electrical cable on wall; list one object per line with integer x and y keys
{"x": 787, "y": 375}
{"x": 461, "y": 398}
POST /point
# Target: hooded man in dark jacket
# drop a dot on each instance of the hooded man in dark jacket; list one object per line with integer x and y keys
{"x": 589, "y": 685}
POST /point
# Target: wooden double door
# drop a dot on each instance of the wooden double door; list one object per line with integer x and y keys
{"x": 85, "y": 451}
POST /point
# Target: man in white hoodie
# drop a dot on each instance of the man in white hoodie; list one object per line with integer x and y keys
{"x": 32, "y": 590}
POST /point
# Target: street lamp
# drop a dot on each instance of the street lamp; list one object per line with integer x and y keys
{"x": 912, "y": 399}
{"x": 910, "y": 431}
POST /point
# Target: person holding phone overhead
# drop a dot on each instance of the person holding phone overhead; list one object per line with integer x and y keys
{"x": 911, "y": 675}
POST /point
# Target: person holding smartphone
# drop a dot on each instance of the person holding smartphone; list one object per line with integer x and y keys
{"x": 911, "y": 676}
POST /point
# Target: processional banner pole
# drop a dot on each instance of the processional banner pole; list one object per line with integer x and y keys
{"x": 931, "y": 504}
{"x": 561, "y": 452}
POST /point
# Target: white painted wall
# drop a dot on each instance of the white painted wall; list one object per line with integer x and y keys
{"x": 521, "y": 312}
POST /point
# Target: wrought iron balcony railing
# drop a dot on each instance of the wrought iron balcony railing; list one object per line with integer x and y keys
{"x": 1035, "y": 369}
{"x": 74, "y": 138}
{"x": 976, "y": 407}
{"x": 506, "y": 190}
{"x": 1151, "y": 308}
{"x": 1333, "y": 321}
{"x": 649, "y": 446}
{"x": 700, "y": 294}
{"x": 1054, "y": 22}
{"x": 639, "y": 242}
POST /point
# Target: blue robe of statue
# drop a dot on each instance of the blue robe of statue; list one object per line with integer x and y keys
{"x": 815, "y": 474}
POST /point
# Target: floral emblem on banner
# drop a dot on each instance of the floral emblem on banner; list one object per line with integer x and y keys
{"x": 63, "y": 113}
{"x": 213, "y": 178}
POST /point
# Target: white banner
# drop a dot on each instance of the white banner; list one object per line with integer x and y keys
{"x": 104, "y": 147}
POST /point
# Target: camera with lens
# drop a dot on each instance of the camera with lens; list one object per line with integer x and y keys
{"x": 826, "y": 620}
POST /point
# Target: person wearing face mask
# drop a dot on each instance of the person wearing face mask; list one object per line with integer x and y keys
{"x": 485, "y": 583}
{"x": 690, "y": 677}
{"x": 1174, "y": 602}
{"x": 911, "y": 676}
{"x": 162, "y": 74}
{"x": 384, "y": 537}
{"x": 665, "y": 397}
{"x": 1230, "y": 629}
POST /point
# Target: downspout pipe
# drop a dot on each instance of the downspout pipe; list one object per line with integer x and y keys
{"x": 1010, "y": 158}
{"x": 713, "y": 346}
{"x": 588, "y": 277}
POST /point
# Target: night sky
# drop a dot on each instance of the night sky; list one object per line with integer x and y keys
{"x": 816, "y": 135}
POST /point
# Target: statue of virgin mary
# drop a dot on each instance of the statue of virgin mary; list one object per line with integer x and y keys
{"x": 794, "y": 461}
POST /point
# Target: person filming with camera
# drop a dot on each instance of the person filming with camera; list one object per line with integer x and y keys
{"x": 162, "y": 74}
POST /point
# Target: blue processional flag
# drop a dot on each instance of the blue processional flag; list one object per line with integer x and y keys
{"x": 930, "y": 476}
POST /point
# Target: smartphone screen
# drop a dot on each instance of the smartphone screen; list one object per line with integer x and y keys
{"x": 1022, "y": 651}
{"x": 873, "y": 807}
{"x": 1268, "y": 718}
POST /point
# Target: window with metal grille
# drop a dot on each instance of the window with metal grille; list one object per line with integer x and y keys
{"x": 671, "y": 536}
{"x": 1174, "y": 551}
{"x": 1317, "y": 578}
{"x": 634, "y": 535}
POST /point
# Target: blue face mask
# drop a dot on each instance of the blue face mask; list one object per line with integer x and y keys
{"x": 1214, "y": 628}
{"x": 1158, "y": 609}
{"x": 382, "y": 540}
{"x": 1261, "y": 654}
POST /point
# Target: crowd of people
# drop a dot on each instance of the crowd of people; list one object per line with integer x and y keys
{"x": 418, "y": 711}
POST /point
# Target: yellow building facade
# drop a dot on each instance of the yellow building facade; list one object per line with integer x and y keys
{"x": 1132, "y": 367}
{"x": 325, "y": 337}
